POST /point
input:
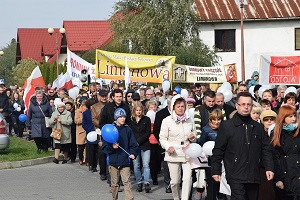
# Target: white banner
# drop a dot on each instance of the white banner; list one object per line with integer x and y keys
{"x": 75, "y": 64}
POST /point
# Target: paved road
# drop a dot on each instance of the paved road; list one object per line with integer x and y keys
{"x": 68, "y": 181}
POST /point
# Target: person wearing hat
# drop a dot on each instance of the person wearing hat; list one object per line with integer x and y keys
{"x": 96, "y": 110}
{"x": 61, "y": 119}
{"x": 118, "y": 159}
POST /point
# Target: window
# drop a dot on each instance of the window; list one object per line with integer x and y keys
{"x": 297, "y": 38}
{"x": 225, "y": 40}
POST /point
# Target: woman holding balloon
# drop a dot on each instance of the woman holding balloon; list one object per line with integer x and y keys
{"x": 141, "y": 127}
{"x": 16, "y": 108}
{"x": 177, "y": 131}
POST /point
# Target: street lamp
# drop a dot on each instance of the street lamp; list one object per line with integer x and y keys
{"x": 242, "y": 3}
{"x": 1, "y": 53}
{"x": 62, "y": 31}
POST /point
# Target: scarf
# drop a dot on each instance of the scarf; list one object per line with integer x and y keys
{"x": 181, "y": 118}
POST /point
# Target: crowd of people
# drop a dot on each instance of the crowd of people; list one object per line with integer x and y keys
{"x": 261, "y": 160}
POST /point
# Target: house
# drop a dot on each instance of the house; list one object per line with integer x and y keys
{"x": 271, "y": 27}
{"x": 80, "y": 36}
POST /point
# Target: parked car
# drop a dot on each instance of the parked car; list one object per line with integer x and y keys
{"x": 4, "y": 138}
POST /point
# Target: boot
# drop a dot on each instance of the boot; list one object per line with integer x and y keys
{"x": 147, "y": 188}
{"x": 140, "y": 187}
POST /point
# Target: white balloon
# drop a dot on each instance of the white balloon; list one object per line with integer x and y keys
{"x": 192, "y": 113}
{"x": 184, "y": 93}
{"x": 73, "y": 93}
{"x": 15, "y": 105}
{"x": 76, "y": 89}
{"x": 151, "y": 114}
{"x": 194, "y": 150}
{"x": 208, "y": 147}
{"x": 56, "y": 101}
{"x": 18, "y": 109}
{"x": 290, "y": 89}
{"x": 165, "y": 85}
{"x": 227, "y": 95}
{"x": 221, "y": 89}
{"x": 92, "y": 136}
{"x": 227, "y": 85}
{"x": 251, "y": 90}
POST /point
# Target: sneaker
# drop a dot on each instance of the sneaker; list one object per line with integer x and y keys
{"x": 64, "y": 162}
{"x": 147, "y": 188}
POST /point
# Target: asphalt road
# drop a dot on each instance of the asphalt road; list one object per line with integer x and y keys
{"x": 68, "y": 181}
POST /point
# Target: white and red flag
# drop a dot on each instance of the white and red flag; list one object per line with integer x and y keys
{"x": 65, "y": 82}
{"x": 34, "y": 80}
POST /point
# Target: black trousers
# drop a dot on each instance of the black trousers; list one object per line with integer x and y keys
{"x": 41, "y": 143}
{"x": 102, "y": 161}
{"x": 80, "y": 151}
{"x": 73, "y": 147}
{"x": 17, "y": 125}
{"x": 155, "y": 161}
{"x": 244, "y": 191}
{"x": 92, "y": 150}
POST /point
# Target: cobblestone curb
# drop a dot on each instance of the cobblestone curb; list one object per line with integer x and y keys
{"x": 25, "y": 163}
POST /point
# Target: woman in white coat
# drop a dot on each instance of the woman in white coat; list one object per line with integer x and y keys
{"x": 176, "y": 131}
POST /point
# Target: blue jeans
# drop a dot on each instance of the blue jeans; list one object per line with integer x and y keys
{"x": 136, "y": 165}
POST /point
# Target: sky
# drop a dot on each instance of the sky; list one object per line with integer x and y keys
{"x": 48, "y": 14}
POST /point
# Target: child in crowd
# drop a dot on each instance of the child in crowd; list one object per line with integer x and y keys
{"x": 255, "y": 112}
{"x": 265, "y": 104}
{"x": 118, "y": 159}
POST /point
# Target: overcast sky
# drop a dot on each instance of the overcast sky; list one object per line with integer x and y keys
{"x": 47, "y": 13}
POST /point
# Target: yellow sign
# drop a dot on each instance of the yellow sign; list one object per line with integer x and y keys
{"x": 142, "y": 68}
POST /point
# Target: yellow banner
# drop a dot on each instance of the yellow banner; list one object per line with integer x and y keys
{"x": 142, "y": 68}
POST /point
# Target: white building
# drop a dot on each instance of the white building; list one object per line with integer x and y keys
{"x": 271, "y": 27}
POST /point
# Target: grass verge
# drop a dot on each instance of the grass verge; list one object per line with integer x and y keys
{"x": 21, "y": 149}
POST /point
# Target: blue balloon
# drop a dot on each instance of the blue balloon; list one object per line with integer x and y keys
{"x": 178, "y": 90}
{"x": 22, "y": 118}
{"x": 110, "y": 133}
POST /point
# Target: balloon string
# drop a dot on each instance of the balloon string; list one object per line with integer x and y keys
{"x": 125, "y": 151}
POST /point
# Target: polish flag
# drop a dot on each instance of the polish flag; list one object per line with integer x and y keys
{"x": 65, "y": 82}
{"x": 34, "y": 80}
{"x": 56, "y": 81}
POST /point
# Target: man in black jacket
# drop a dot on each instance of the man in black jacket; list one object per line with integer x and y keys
{"x": 242, "y": 144}
{"x": 160, "y": 115}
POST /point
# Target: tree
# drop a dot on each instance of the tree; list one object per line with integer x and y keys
{"x": 7, "y": 61}
{"x": 161, "y": 27}
{"x": 23, "y": 70}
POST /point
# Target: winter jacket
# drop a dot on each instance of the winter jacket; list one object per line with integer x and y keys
{"x": 253, "y": 82}
{"x": 208, "y": 134}
{"x": 96, "y": 110}
{"x": 286, "y": 162}
{"x": 174, "y": 133}
{"x": 35, "y": 118}
{"x": 87, "y": 124}
{"x": 117, "y": 157}
{"x": 107, "y": 113}
{"x": 64, "y": 125}
{"x": 4, "y": 103}
{"x": 242, "y": 147}
{"x": 80, "y": 132}
{"x": 142, "y": 130}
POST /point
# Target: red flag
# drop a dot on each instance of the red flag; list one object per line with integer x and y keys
{"x": 34, "y": 80}
{"x": 65, "y": 82}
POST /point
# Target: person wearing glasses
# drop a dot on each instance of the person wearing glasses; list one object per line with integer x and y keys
{"x": 128, "y": 98}
{"x": 266, "y": 190}
{"x": 242, "y": 144}
{"x": 149, "y": 94}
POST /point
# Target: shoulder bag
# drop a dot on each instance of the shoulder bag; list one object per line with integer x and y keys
{"x": 46, "y": 119}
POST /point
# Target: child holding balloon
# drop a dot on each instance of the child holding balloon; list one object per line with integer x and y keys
{"x": 120, "y": 145}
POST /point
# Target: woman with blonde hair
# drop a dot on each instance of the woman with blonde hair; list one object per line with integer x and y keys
{"x": 286, "y": 153}
{"x": 141, "y": 127}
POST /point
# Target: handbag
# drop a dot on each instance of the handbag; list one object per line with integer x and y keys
{"x": 47, "y": 123}
{"x": 56, "y": 133}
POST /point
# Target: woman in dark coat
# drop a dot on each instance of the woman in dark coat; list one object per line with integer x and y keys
{"x": 286, "y": 152}
{"x": 141, "y": 127}
{"x": 14, "y": 113}
{"x": 38, "y": 108}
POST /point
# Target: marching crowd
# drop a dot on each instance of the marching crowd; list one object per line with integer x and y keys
{"x": 261, "y": 160}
